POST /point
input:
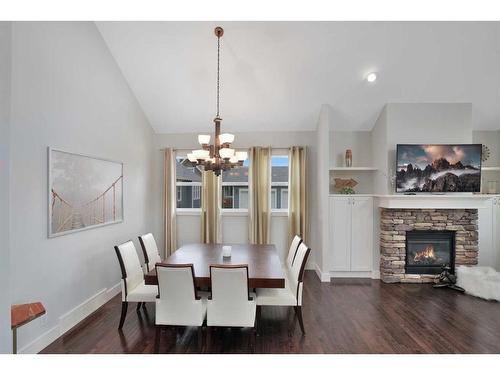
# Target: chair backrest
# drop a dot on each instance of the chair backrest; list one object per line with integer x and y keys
{"x": 297, "y": 270}
{"x": 130, "y": 266}
{"x": 177, "y": 302}
{"x": 150, "y": 251}
{"x": 230, "y": 303}
{"x": 293, "y": 251}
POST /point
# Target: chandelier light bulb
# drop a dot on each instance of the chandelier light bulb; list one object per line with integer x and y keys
{"x": 371, "y": 77}
{"x": 226, "y": 138}
{"x": 241, "y": 155}
{"x": 204, "y": 139}
{"x": 226, "y": 153}
{"x": 201, "y": 154}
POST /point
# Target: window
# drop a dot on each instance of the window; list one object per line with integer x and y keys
{"x": 188, "y": 184}
{"x": 279, "y": 181}
{"x": 235, "y": 187}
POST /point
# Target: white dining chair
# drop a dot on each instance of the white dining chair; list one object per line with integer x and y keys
{"x": 150, "y": 251}
{"x": 293, "y": 251}
{"x": 291, "y": 295}
{"x": 133, "y": 287}
{"x": 230, "y": 304}
{"x": 178, "y": 303}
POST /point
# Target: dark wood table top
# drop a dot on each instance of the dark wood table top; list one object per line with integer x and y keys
{"x": 264, "y": 266}
{"x": 25, "y": 313}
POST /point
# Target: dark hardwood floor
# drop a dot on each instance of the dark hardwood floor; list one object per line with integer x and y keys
{"x": 344, "y": 316}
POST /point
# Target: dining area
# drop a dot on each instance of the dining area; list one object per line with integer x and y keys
{"x": 215, "y": 289}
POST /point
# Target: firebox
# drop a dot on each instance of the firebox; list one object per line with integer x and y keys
{"x": 428, "y": 251}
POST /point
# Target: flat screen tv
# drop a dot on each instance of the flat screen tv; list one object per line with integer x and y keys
{"x": 438, "y": 168}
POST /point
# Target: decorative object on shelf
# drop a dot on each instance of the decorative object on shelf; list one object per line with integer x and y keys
{"x": 347, "y": 191}
{"x": 345, "y": 186}
{"x": 218, "y": 156}
{"x": 492, "y": 187}
{"x": 226, "y": 251}
{"x": 485, "y": 155}
{"x": 348, "y": 158}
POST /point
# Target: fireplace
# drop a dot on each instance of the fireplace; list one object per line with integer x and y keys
{"x": 428, "y": 251}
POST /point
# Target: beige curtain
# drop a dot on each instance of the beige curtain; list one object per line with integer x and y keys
{"x": 259, "y": 195}
{"x": 170, "y": 202}
{"x": 297, "y": 193}
{"x": 210, "y": 208}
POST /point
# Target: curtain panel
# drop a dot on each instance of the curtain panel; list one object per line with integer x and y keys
{"x": 170, "y": 202}
{"x": 259, "y": 200}
{"x": 297, "y": 186}
{"x": 210, "y": 208}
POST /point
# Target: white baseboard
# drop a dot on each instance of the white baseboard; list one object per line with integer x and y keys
{"x": 71, "y": 319}
{"x": 323, "y": 276}
{"x": 376, "y": 275}
{"x": 351, "y": 274}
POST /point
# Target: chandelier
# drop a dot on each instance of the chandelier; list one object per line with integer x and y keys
{"x": 218, "y": 156}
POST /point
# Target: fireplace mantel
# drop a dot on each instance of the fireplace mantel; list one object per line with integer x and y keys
{"x": 432, "y": 201}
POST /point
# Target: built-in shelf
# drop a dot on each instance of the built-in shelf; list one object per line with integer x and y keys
{"x": 354, "y": 169}
{"x": 490, "y": 168}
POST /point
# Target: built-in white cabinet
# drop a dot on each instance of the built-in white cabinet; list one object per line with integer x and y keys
{"x": 351, "y": 233}
{"x": 489, "y": 234}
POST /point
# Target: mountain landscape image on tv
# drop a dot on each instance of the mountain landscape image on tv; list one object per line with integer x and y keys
{"x": 438, "y": 168}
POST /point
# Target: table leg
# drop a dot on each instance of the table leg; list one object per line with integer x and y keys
{"x": 14, "y": 340}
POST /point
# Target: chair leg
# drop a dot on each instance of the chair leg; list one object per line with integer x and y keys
{"x": 157, "y": 339}
{"x": 144, "y": 306}
{"x": 298, "y": 311}
{"x": 200, "y": 339}
{"x": 138, "y": 308}
{"x": 124, "y": 314}
{"x": 209, "y": 339}
{"x": 254, "y": 340}
{"x": 258, "y": 320}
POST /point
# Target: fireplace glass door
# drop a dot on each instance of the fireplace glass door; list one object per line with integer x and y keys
{"x": 428, "y": 251}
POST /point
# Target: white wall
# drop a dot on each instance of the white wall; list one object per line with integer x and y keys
{"x": 5, "y": 38}
{"x": 67, "y": 92}
{"x": 235, "y": 228}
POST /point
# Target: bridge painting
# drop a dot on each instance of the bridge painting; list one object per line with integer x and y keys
{"x": 84, "y": 192}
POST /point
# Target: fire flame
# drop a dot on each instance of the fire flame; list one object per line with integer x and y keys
{"x": 427, "y": 253}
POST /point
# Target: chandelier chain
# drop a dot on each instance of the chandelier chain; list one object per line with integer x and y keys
{"x": 218, "y": 73}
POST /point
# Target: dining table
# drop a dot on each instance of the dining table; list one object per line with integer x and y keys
{"x": 264, "y": 265}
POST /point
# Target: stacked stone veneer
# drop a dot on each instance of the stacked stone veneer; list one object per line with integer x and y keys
{"x": 394, "y": 223}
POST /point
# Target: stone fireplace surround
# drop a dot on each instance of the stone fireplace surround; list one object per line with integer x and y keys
{"x": 394, "y": 223}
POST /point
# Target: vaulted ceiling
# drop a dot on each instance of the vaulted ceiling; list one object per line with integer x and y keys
{"x": 276, "y": 75}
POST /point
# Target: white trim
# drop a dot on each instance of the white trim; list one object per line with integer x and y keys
{"x": 185, "y": 183}
{"x": 71, "y": 319}
{"x": 228, "y": 183}
{"x": 323, "y": 276}
{"x": 347, "y": 274}
{"x": 188, "y": 211}
{"x": 234, "y": 212}
{"x": 279, "y": 212}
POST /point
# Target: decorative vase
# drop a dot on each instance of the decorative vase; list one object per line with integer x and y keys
{"x": 348, "y": 158}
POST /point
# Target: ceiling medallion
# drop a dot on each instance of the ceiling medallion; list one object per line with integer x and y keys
{"x": 219, "y": 156}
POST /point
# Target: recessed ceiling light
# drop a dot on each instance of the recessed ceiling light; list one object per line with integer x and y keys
{"x": 371, "y": 77}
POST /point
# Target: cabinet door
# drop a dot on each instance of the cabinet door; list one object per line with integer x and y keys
{"x": 361, "y": 234}
{"x": 340, "y": 233}
{"x": 486, "y": 219}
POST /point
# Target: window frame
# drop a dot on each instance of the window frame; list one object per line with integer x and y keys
{"x": 283, "y": 152}
{"x": 235, "y": 211}
{"x": 190, "y": 210}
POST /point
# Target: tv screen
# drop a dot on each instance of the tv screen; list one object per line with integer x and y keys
{"x": 438, "y": 168}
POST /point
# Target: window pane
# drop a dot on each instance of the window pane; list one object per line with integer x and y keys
{"x": 188, "y": 180}
{"x": 235, "y": 187}
{"x": 279, "y": 182}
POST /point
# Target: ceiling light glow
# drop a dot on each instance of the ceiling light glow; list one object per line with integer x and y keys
{"x": 371, "y": 77}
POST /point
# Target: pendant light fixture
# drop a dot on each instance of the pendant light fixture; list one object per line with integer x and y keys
{"x": 218, "y": 156}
